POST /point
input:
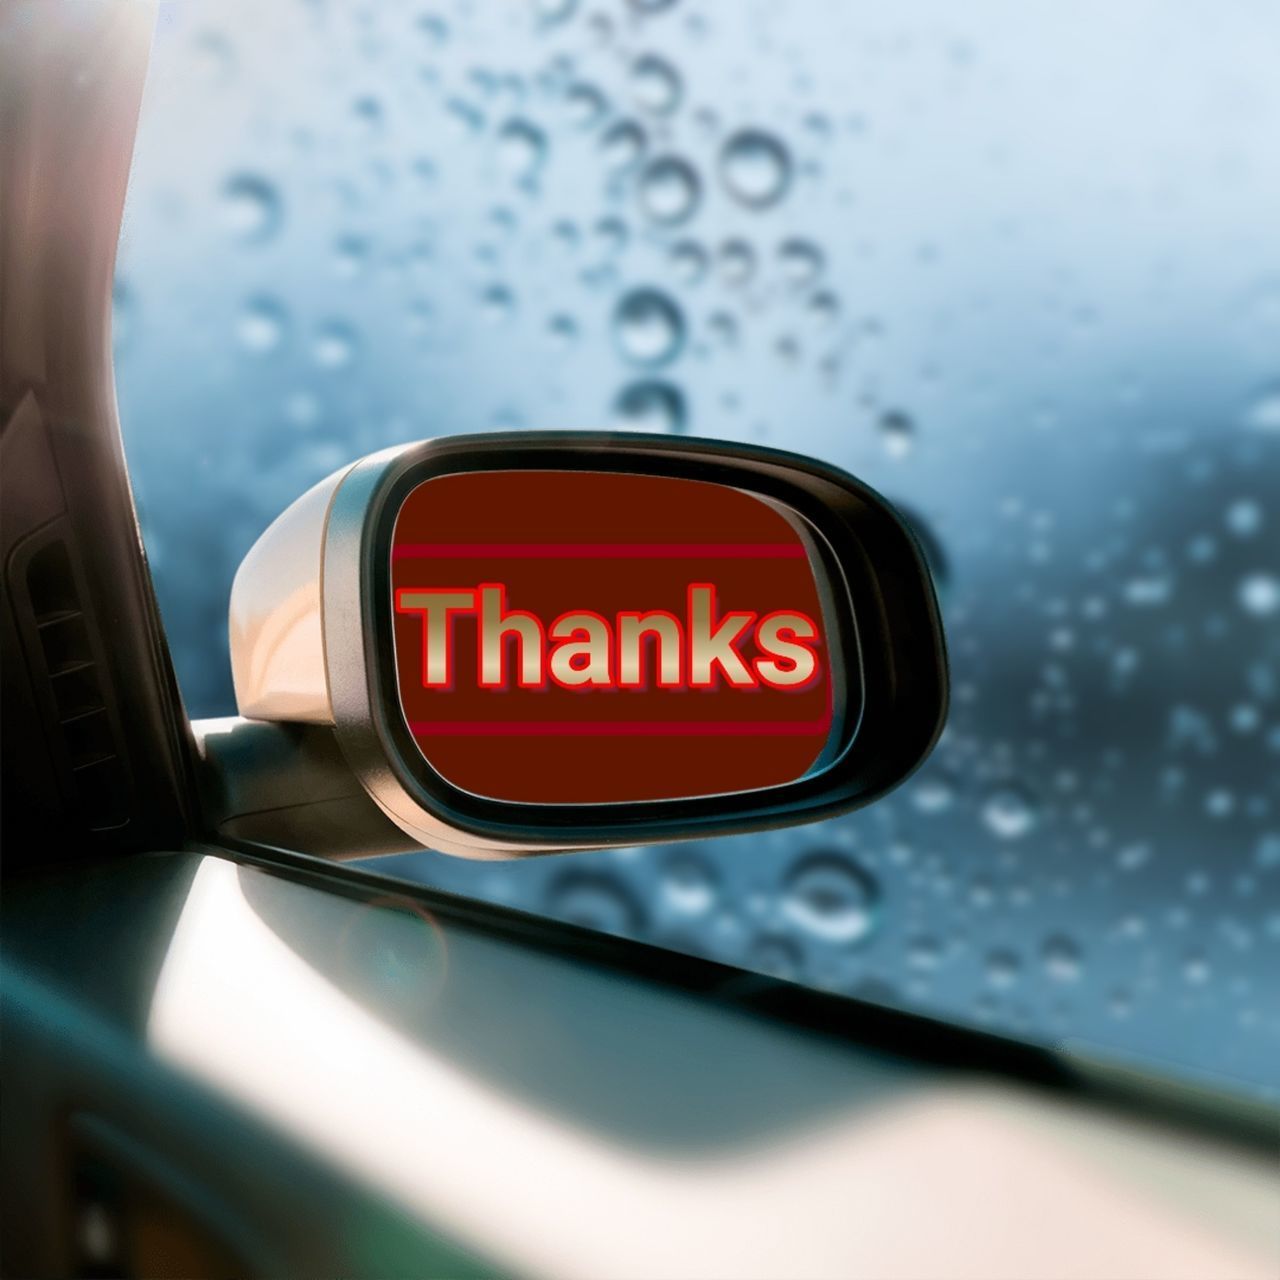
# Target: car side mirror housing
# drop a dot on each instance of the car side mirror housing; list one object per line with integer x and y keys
{"x": 535, "y": 642}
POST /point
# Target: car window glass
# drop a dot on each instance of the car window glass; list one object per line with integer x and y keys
{"x": 1019, "y": 270}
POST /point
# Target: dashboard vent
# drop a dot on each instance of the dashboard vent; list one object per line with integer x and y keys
{"x": 87, "y": 726}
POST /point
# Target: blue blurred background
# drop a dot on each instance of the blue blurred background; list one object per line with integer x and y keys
{"x": 1017, "y": 267}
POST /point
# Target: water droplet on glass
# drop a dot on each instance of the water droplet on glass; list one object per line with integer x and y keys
{"x": 497, "y": 302}
{"x": 688, "y": 884}
{"x": 650, "y": 6}
{"x": 669, "y": 190}
{"x": 434, "y": 27}
{"x": 566, "y": 235}
{"x": 1009, "y": 812}
{"x": 1120, "y": 1003}
{"x": 551, "y": 12}
{"x": 1195, "y": 969}
{"x": 261, "y": 325}
{"x": 610, "y": 235}
{"x": 655, "y": 84}
{"x": 648, "y": 326}
{"x": 302, "y": 409}
{"x": 595, "y": 900}
{"x": 723, "y": 327}
{"x": 897, "y": 434}
{"x": 654, "y": 407}
{"x": 933, "y": 794}
{"x": 776, "y": 956}
{"x": 250, "y": 208}
{"x": 924, "y": 952}
{"x": 563, "y": 329}
{"x": 688, "y": 261}
{"x": 368, "y": 111}
{"x": 1266, "y": 854}
{"x": 801, "y": 262}
{"x": 824, "y": 307}
{"x": 123, "y": 312}
{"x": 1244, "y": 517}
{"x": 350, "y": 253}
{"x": 1149, "y": 590}
{"x": 831, "y": 898}
{"x": 1133, "y": 856}
{"x": 622, "y": 145}
{"x": 335, "y": 345}
{"x": 465, "y": 117}
{"x": 755, "y": 168}
{"x": 215, "y": 57}
{"x": 1259, "y": 594}
{"x": 522, "y": 148}
{"x": 1003, "y": 968}
{"x": 736, "y": 262}
{"x": 584, "y": 105}
{"x": 1061, "y": 956}
{"x": 1263, "y": 414}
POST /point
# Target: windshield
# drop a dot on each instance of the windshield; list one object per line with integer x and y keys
{"x": 1017, "y": 270}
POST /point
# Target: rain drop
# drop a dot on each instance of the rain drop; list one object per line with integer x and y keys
{"x": 933, "y": 794}
{"x": 1009, "y": 812}
{"x": 1259, "y": 594}
{"x": 669, "y": 190}
{"x": 724, "y": 327}
{"x": 776, "y": 956}
{"x": 335, "y": 345}
{"x": 824, "y": 307}
{"x": 594, "y": 900}
{"x": 755, "y": 168}
{"x": 261, "y": 325}
{"x": 649, "y": 327}
{"x": 1061, "y": 958}
{"x": 831, "y": 898}
{"x": 736, "y": 262}
{"x": 622, "y": 145}
{"x": 434, "y": 27}
{"x": 563, "y": 329}
{"x": 655, "y": 85}
{"x": 350, "y": 254}
{"x": 1195, "y": 969}
{"x": 897, "y": 433}
{"x": 688, "y": 884}
{"x": 497, "y": 302}
{"x": 123, "y": 315}
{"x": 584, "y": 105}
{"x": 215, "y": 57}
{"x": 688, "y": 261}
{"x": 522, "y": 148}
{"x": 551, "y": 12}
{"x": 250, "y": 208}
{"x": 610, "y": 234}
{"x": 1263, "y": 414}
{"x": 801, "y": 262}
{"x": 1002, "y": 968}
{"x": 1244, "y": 517}
{"x": 654, "y": 407}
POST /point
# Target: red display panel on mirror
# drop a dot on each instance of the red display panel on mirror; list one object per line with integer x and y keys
{"x": 569, "y": 637}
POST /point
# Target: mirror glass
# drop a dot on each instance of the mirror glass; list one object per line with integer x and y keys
{"x": 579, "y": 637}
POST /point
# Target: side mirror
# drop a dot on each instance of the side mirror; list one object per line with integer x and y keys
{"x": 565, "y": 640}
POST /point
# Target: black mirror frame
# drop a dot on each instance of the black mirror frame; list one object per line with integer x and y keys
{"x": 887, "y": 619}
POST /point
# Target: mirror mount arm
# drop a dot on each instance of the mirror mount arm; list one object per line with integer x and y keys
{"x": 288, "y": 787}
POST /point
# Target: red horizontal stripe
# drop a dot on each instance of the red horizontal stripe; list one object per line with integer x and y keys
{"x": 615, "y": 728}
{"x": 599, "y": 551}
